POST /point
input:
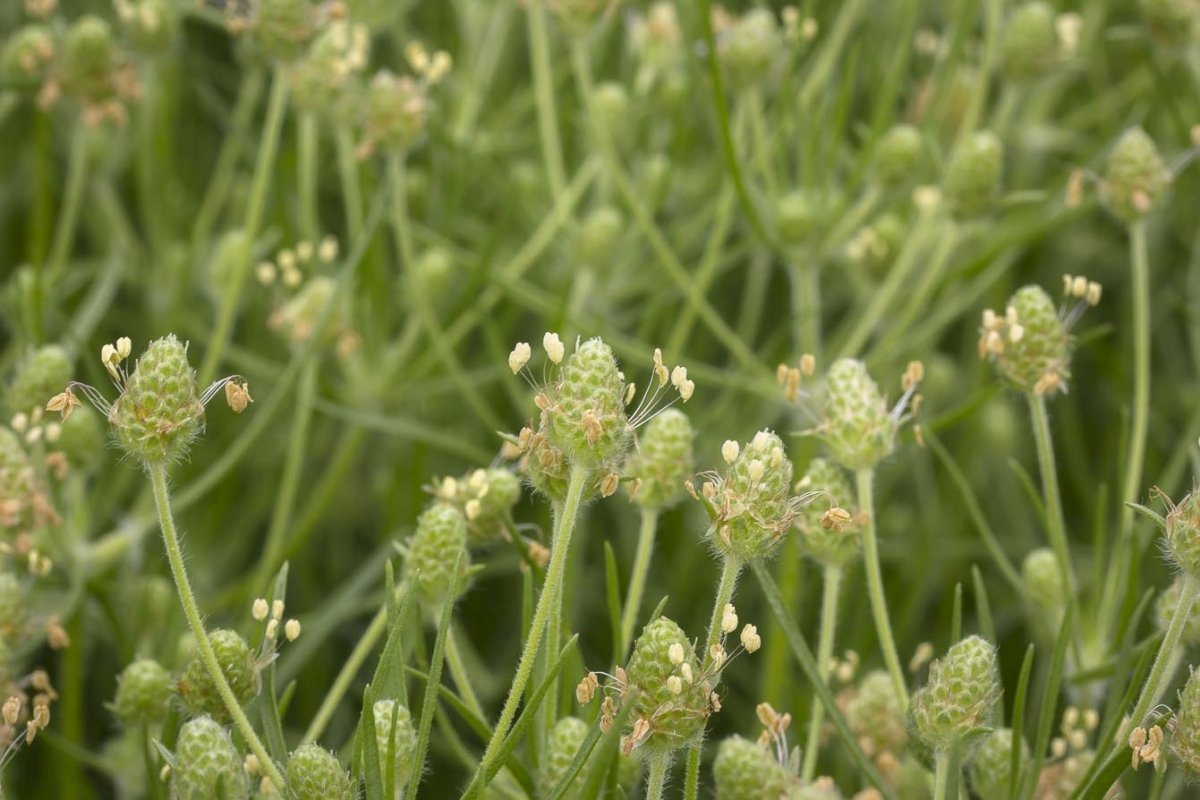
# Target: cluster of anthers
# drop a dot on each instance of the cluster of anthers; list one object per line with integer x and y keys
{"x": 774, "y": 734}
{"x": 288, "y": 262}
{"x": 682, "y": 684}
{"x": 789, "y": 377}
{"x": 18, "y": 709}
{"x": 1146, "y": 742}
{"x": 272, "y": 614}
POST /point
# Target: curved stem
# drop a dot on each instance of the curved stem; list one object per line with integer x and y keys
{"x": 656, "y": 778}
{"x": 829, "y": 615}
{"x": 1160, "y": 675}
{"x": 265, "y": 165}
{"x": 458, "y": 672}
{"x": 543, "y": 87}
{"x": 1139, "y": 259}
{"x": 158, "y": 480}
{"x": 637, "y": 580}
{"x": 865, "y": 479}
{"x": 1057, "y": 528}
{"x": 560, "y": 545}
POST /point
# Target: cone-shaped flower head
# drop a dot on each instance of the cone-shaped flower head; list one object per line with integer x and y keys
{"x": 1164, "y": 610}
{"x": 856, "y": 424}
{"x": 393, "y": 716}
{"x": 745, "y": 770}
{"x": 829, "y": 545}
{"x": 874, "y": 713}
{"x": 41, "y": 375}
{"x": 1183, "y": 535}
{"x": 440, "y": 537}
{"x": 751, "y": 504}
{"x": 395, "y": 113}
{"x": 160, "y": 412}
{"x": 28, "y": 56}
{"x": 1136, "y": 176}
{"x": 199, "y": 691}
{"x": 587, "y": 413}
{"x": 799, "y": 215}
{"x": 991, "y": 766}
{"x": 956, "y": 702}
{"x": 897, "y": 154}
{"x": 566, "y": 737}
{"x": 599, "y": 235}
{"x": 664, "y": 460}
{"x": 671, "y": 709}
{"x": 1044, "y": 589}
{"x": 314, "y": 773}
{"x": 1030, "y": 45}
{"x": 1185, "y": 738}
{"x": 90, "y": 59}
{"x": 747, "y": 48}
{"x": 207, "y": 765}
{"x": 285, "y": 26}
{"x": 971, "y": 184}
{"x": 143, "y": 693}
{"x": 322, "y": 80}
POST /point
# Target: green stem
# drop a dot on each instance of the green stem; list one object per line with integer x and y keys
{"x": 158, "y": 480}
{"x": 307, "y": 144}
{"x": 637, "y": 580}
{"x": 656, "y": 778}
{"x": 832, "y": 53}
{"x": 64, "y": 230}
{"x": 458, "y": 672}
{"x": 265, "y": 165}
{"x": 1160, "y": 675}
{"x": 1055, "y": 522}
{"x": 560, "y": 546}
{"x": 806, "y": 307}
{"x": 829, "y": 615}
{"x": 865, "y": 479}
{"x": 918, "y": 296}
{"x": 348, "y": 174}
{"x": 1140, "y": 261}
{"x": 543, "y": 87}
{"x": 941, "y": 773}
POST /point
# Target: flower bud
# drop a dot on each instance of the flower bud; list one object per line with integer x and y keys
{"x": 323, "y": 81}
{"x": 1044, "y": 589}
{"x": 829, "y": 546}
{"x": 42, "y": 374}
{"x": 956, "y": 701}
{"x": 599, "y": 236}
{"x": 207, "y": 765}
{"x": 440, "y": 537}
{"x": 565, "y": 740}
{"x": 1164, "y": 610}
{"x": 434, "y": 268}
{"x": 587, "y": 417}
{"x": 654, "y": 179}
{"x": 897, "y": 155}
{"x": 799, "y": 215}
{"x": 971, "y": 183}
{"x": 610, "y": 102}
{"x": 745, "y": 770}
{"x": 199, "y": 691}
{"x": 395, "y": 113}
{"x": 159, "y": 413}
{"x": 314, "y": 773}
{"x": 991, "y": 766}
{"x": 748, "y": 49}
{"x": 856, "y": 425}
{"x": 83, "y": 439}
{"x": 90, "y": 60}
{"x": 402, "y": 743}
{"x": 28, "y": 56}
{"x": 1135, "y": 178}
{"x": 285, "y": 26}
{"x": 753, "y": 502}
{"x": 1030, "y": 45}
{"x": 1183, "y": 535}
{"x": 874, "y": 713}
{"x": 297, "y": 318}
{"x": 143, "y": 693}
{"x": 229, "y": 256}
{"x": 1030, "y": 344}
{"x": 664, "y": 461}
{"x": 675, "y": 719}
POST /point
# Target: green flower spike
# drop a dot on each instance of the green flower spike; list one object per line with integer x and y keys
{"x": 834, "y": 545}
{"x": 207, "y": 765}
{"x": 285, "y": 26}
{"x": 1185, "y": 732}
{"x": 897, "y": 154}
{"x": 323, "y": 80}
{"x": 440, "y": 536}
{"x": 1044, "y": 590}
{"x": 199, "y": 691}
{"x": 673, "y": 700}
{"x": 28, "y": 56}
{"x": 566, "y": 738}
{"x": 393, "y": 716}
{"x": 1183, "y": 535}
{"x": 314, "y": 773}
{"x": 143, "y": 693}
{"x": 664, "y": 460}
{"x": 745, "y": 770}
{"x": 1136, "y": 177}
{"x": 971, "y": 183}
{"x": 856, "y": 424}
{"x": 748, "y": 48}
{"x": 1172, "y": 22}
{"x": 485, "y": 497}
{"x": 42, "y": 373}
{"x": 1165, "y": 607}
{"x": 875, "y": 716}
{"x": 956, "y": 703}
{"x": 991, "y": 766}
{"x": 1030, "y": 46}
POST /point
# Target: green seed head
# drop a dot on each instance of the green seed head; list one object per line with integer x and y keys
{"x": 159, "y": 414}
{"x": 1172, "y": 22}
{"x": 143, "y": 693}
{"x": 799, "y": 215}
{"x": 1030, "y": 45}
{"x": 874, "y": 714}
{"x": 971, "y": 183}
{"x": 395, "y": 113}
{"x": 199, "y": 691}
{"x": 991, "y": 766}
{"x": 1164, "y": 610}
{"x": 744, "y": 770}
{"x": 22, "y": 498}
{"x": 1136, "y": 177}
{"x": 207, "y": 765}
{"x": 90, "y": 59}
{"x": 753, "y": 502}
{"x": 285, "y": 26}
{"x": 1044, "y": 587}
{"x": 663, "y": 461}
{"x": 440, "y": 537}
{"x": 897, "y": 155}
{"x": 402, "y": 743}
{"x": 666, "y": 720}
{"x": 749, "y": 47}
{"x": 599, "y": 236}
{"x": 1183, "y": 535}
{"x": 586, "y": 415}
{"x": 836, "y": 546}
{"x": 28, "y": 56}
{"x": 856, "y": 424}
{"x": 42, "y": 374}
{"x": 314, "y": 773}
{"x": 956, "y": 702}
{"x": 1030, "y": 344}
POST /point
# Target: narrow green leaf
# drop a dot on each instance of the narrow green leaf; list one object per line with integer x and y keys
{"x": 983, "y": 607}
{"x": 268, "y": 701}
{"x": 956, "y": 615}
{"x": 367, "y": 753}
{"x": 1050, "y": 700}
{"x": 614, "y": 599}
{"x": 389, "y": 672}
{"x": 609, "y": 744}
{"x": 1018, "y": 724}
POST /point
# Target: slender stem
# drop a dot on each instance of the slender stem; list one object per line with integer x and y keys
{"x": 1139, "y": 259}
{"x": 829, "y": 615}
{"x": 918, "y": 295}
{"x": 865, "y": 479}
{"x": 348, "y": 174}
{"x": 64, "y": 230}
{"x": 158, "y": 480}
{"x": 805, "y": 283}
{"x": 1057, "y": 528}
{"x": 1160, "y": 675}
{"x": 656, "y": 778}
{"x": 458, "y": 671}
{"x": 543, "y": 87}
{"x": 263, "y": 168}
{"x": 832, "y": 53}
{"x": 941, "y": 773}
{"x": 307, "y": 143}
{"x": 561, "y": 543}
{"x": 637, "y": 580}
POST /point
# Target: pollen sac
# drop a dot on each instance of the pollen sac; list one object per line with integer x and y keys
{"x": 586, "y": 418}
{"x": 566, "y": 737}
{"x": 675, "y": 720}
{"x": 1183, "y": 535}
{"x": 956, "y": 703}
{"x": 394, "y": 733}
{"x": 991, "y": 766}
{"x": 159, "y": 412}
{"x": 971, "y": 183}
{"x": 440, "y": 537}
{"x": 1136, "y": 177}
{"x": 745, "y": 770}
{"x": 664, "y": 460}
{"x": 856, "y": 425}
{"x": 143, "y": 693}
{"x": 897, "y": 155}
{"x": 207, "y": 764}
{"x": 1164, "y": 610}
{"x": 826, "y": 546}
{"x": 198, "y": 690}
{"x": 314, "y": 773}
{"x": 1030, "y": 45}
{"x": 1030, "y": 346}
{"x": 753, "y": 502}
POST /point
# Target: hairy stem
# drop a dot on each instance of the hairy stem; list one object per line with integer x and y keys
{"x": 1160, "y": 675}
{"x": 637, "y": 580}
{"x": 656, "y": 779}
